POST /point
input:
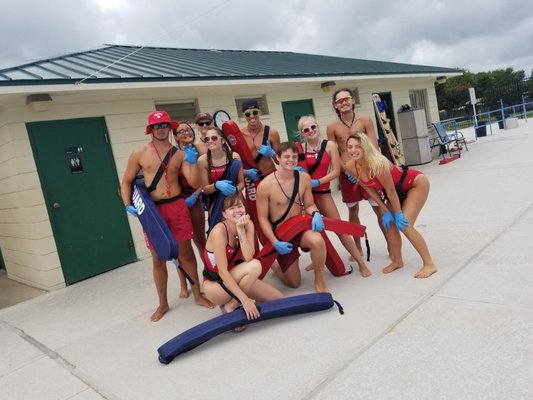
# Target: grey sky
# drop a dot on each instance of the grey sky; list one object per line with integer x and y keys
{"x": 472, "y": 34}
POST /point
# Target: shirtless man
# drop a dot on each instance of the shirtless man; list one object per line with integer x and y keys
{"x": 273, "y": 204}
{"x": 262, "y": 140}
{"x": 347, "y": 123}
{"x": 167, "y": 196}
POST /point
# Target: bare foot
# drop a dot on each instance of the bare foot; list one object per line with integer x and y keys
{"x": 321, "y": 287}
{"x": 202, "y": 301}
{"x": 239, "y": 329}
{"x": 230, "y": 306}
{"x": 426, "y": 271}
{"x": 309, "y": 267}
{"x": 184, "y": 292}
{"x": 393, "y": 266}
{"x": 364, "y": 271}
{"x": 158, "y": 314}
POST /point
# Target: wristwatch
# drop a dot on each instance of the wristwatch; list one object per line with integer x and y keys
{"x": 220, "y": 117}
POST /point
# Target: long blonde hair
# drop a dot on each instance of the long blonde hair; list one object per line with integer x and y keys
{"x": 374, "y": 163}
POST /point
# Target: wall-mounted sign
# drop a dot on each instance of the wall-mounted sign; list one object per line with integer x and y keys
{"x": 74, "y": 160}
{"x": 74, "y": 150}
{"x": 75, "y": 165}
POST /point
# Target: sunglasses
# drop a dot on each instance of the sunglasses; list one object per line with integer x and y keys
{"x": 210, "y": 138}
{"x": 163, "y": 125}
{"x": 203, "y": 123}
{"x": 184, "y": 131}
{"x": 248, "y": 114}
{"x": 309, "y": 128}
{"x": 343, "y": 100}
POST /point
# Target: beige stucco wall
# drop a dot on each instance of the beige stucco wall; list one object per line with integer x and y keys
{"x": 26, "y": 237}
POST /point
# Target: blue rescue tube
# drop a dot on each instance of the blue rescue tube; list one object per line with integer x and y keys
{"x": 153, "y": 224}
{"x": 216, "y": 211}
{"x": 205, "y": 331}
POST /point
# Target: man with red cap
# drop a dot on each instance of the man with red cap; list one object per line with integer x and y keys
{"x": 166, "y": 194}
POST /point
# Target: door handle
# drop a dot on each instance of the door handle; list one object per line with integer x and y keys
{"x": 56, "y": 205}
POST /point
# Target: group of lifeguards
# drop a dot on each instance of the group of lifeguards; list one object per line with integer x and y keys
{"x": 290, "y": 179}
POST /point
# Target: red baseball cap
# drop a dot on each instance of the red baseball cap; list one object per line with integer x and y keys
{"x": 159, "y": 117}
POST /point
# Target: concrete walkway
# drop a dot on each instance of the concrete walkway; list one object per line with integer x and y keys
{"x": 465, "y": 333}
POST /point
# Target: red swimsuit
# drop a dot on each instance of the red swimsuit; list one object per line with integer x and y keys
{"x": 396, "y": 173}
{"x": 233, "y": 255}
{"x": 321, "y": 171}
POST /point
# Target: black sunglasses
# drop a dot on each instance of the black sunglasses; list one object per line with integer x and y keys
{"x": 248, "y": 114}
{"x": 203, "y": 123}
{"x": 162, "y": 125}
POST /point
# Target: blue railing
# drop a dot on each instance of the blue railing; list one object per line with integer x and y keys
{"x": 499, "y": 115}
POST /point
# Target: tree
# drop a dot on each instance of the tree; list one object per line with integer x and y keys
{"x": 490, "y": 86}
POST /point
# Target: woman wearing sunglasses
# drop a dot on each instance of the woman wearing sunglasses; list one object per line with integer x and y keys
{"x": 406, "y": 191}
{"x": 214, "y": 166}
{"x": 321, "y": 160}
{"x": 231, "y": 273}
{"x": 185, "y": 136}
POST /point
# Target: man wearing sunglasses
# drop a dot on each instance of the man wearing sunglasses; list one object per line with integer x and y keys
{"x": 204, "y": 121}
{"x": 338, "y": 131}
{"x": 166, "y": 194}
{"x": 262, "y": 140}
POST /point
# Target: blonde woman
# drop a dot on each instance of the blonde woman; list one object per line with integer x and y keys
{"x": 321, "y": 160}
{"x": 405, "y": 191}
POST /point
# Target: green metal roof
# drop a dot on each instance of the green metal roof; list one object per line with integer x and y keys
{"x": 117, "y": 64}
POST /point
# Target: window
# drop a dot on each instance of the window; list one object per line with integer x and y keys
{"x": 184, "y": 112}
{"x": 419, "y": 99}
{"x": 261, "y": 100}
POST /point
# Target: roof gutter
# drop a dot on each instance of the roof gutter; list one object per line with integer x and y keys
{"x": 89, "y": 85}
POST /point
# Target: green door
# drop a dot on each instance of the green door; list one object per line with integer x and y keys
{"x": 292, "y": 111}
{"x": 81, "y": 191}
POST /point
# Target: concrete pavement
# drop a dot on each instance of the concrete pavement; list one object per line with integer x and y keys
{"x": 464, "y": 333}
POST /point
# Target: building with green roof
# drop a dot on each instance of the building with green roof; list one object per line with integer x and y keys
{"x": 68, "y": 124}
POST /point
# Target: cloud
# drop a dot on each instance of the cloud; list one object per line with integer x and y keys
{"x": 474, "y": 34}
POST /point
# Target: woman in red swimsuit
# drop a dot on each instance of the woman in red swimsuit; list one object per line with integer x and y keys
{"x": 322, "y": 162}
{"x": 406, "y": 193}
{"x": 231, "y": 273}
{"x": 184, "y": 136}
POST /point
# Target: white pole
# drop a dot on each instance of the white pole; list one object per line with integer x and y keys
{"x": 473, "y": 100}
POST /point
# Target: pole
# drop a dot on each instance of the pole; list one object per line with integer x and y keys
{"x": 524, "y": 107}
{"x": 473, "y": 101}
{"x": 503, "y": 114}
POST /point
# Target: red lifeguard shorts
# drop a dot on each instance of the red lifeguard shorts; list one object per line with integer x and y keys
{"x": 176, "y": 215}
{"x": 349, "y": 195}
{"x": 286, "y": 260}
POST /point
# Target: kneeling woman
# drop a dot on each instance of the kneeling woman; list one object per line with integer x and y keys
{"x": 231, "y": 273}
{"x": 406, "y": 192}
